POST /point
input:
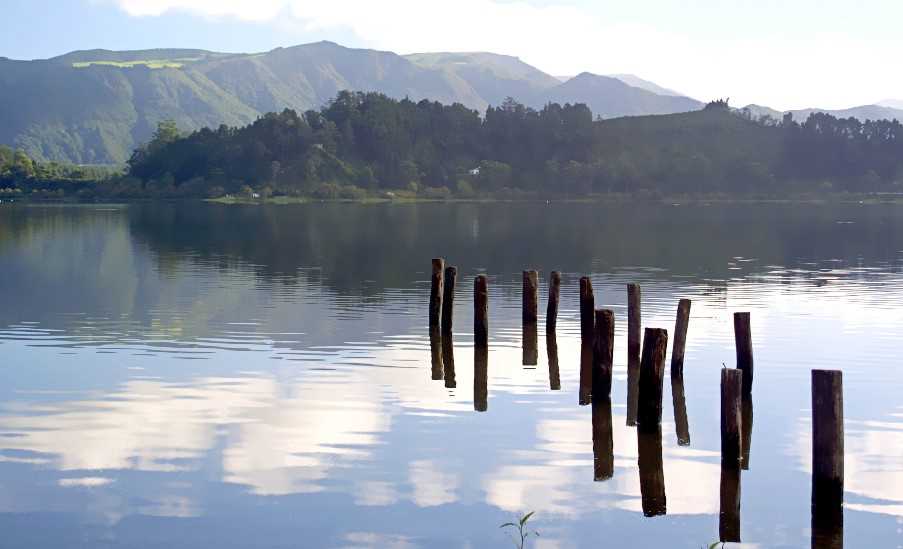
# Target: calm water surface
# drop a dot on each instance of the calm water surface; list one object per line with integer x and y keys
{"x": 206, "y": 376}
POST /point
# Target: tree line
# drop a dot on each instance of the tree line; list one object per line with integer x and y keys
{"x": 367, "y": 144}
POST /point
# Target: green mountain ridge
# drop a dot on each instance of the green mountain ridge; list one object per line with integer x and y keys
{"x": 97, "y": 106}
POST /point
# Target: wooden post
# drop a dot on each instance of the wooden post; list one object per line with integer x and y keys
{"x": 481, "y": 312}
{"x": 652, "y": 472}
{"x": 436, "y": 353}
{"x": 436, "y": 284}
{"x": 681, "y": 422}
{"x": 634, "y": 323}
{"x": 530, "y": 337}
{"x": 587, "y": 306}
{"x": 680, "y": 337}
{"x": 554, "y": 296}
{"x": 552, "y": 351}
{"x": 743, "y": 338}
{"x": 481, "y": 379}
{"x": 530, "y": 298}
{"x": 731, "y": 418}
{"x": 652, "y": 370}
{"x": 603, "y": 440}
{"x": 603, "y": 353}
{"x": 448, "y": 361}
{"x": 827, "y": 439}
{"x": 448, "y": 300}
{"x": 729, "y": 515}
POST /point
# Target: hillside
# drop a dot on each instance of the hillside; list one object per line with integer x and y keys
{"x": 96, "y": 106}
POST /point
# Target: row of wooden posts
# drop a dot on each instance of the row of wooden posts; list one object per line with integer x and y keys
{"x": 645, "y": 363}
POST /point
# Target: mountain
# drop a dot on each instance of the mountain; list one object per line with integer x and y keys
{"x": 892, "y": 103}
{"x": 96, "y": 106}
{"x": 863, "y": 112}
{"x": 610, "y": 97}
{"x": 637, "y": 82}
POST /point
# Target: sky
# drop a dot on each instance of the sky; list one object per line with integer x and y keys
{"x": 785, "y": 54}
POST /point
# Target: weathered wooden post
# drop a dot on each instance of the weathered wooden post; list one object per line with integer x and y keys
{"x": 530, "y": 298}
{"x": 530, "y": 338}
{"x": 731, "y": 418}
{"x": 481, "y": 379}
{"x": 680, "y": 338}
{"x": 634, "y": 322}
{"x": 827, "y": 440}
{"x": 729, "y": 515}
{"x": 448, "y": 300}
{"x": 448, "y": 361}
{"x": 552, "y": 351}
{"x": 652, "y": 370}
{"x": 554, "y": 297}
{"x": 481, "y": 311}
{"x": 603, "y": 353}
{"x": 681, "y": 422}
{"x": 743, "y": 339}
{"x": 436, "y": 287}
{"x": 436, "y": 353}
{"x": 587, "y": 306}
{"x": 603, "y": 440}
{"x": 652, "y": 472}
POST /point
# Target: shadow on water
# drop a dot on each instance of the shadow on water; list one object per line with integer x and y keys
{"x": 747, "y": 426}
{"x": 603, "y": 440}
{"x": 480, "y": 379}
{"x": 681, "y": 423}
{"x": 552, "y": 350}
{"x": 729, "y": 514}
{"x": 448, "y": 361}
{"x": 436, "y": 353}
{"x": 586, "y": 374}
{"x": 652, "y": 473}
{"x": 530, "y": 336}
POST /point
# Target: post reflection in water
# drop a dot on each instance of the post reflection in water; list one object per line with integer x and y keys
{"x": 530, "y": 335}
{"x": 448, "y": 361}
{"x": 827, "y": 526}
{"x": 552, "y": 350}
{"x": 746, "y": 411}
{"x": 681, "y": 423}
{"x": 480, "y": 379}
{"x": 652, "y": 473}
{"x": 603, "y": 440}
{"x": 586, "y": 373}
{"x": 436, "y": 353}
{"x": 729, "y": 515}
{"x": 633, "y": 390}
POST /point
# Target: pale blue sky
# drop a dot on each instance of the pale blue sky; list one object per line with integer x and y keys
{"x": 785, "y": 54}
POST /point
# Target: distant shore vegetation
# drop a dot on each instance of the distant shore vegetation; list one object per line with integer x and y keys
{"x": 366, "y": 146}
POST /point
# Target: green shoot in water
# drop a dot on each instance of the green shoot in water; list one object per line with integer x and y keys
{"x": 520, "y": 540}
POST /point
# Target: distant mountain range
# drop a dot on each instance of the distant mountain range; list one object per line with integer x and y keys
{"x": 96, "y": 106}
{"x": 863, "y": 112}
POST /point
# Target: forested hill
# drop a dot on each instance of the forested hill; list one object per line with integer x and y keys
{"x": 365, "y": 144}
{"x": 96, "y": 106}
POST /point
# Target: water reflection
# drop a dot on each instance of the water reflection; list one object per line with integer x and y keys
{"x": 232, "y": 365}
{"x": 729, "y": 515}
{"x": 652, "y": 472}
{"x": 603, "y": 441}
{"x": 681, "y": 423}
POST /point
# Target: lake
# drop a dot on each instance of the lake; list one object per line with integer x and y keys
{"x": 197, "y": 375}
